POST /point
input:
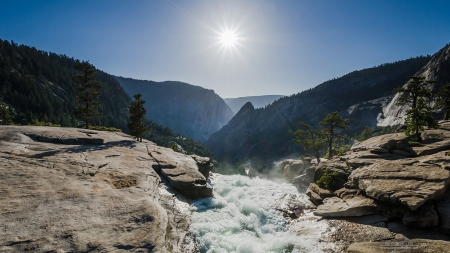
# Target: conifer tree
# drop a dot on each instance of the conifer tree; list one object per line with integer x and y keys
{"x": 330, "y": 126}
{"x": 443, "y": 100}
{"x": 310, "y": 139}
{"x": 87, "y": 92}
{"x": 417, "y": 94}
{"x": 137, "y": 111}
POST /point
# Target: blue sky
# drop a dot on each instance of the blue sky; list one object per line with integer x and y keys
{"x": 282, "y": 47}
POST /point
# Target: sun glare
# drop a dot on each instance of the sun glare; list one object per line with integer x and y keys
{"x": 228, "y": 38}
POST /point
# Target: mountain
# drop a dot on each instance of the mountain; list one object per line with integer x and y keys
{"x": 189, "y": 110}
{"x": 263, "y": 134}
{"x": 37, "y": 85}
{"x": 257, "y": 101}
{"x": 385, "y": 111}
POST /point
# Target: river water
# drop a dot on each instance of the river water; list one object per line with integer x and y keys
{"x": 241, "y": 218}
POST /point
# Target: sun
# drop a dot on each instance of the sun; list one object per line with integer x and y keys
{"x": 228, "y": 39}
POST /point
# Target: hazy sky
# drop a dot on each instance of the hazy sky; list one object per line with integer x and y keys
{"x": 281, "y": 47}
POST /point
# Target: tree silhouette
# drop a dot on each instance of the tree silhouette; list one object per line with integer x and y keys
{"x": 87, "y": 92}
{"x": 137, "y": 126}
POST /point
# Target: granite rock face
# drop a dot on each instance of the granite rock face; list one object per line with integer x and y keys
{"x": 411, "y": 189}
{"x": 60, "y": 194}
{"x": 181, "y": 171}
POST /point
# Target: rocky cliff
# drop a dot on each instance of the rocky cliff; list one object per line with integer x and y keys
{"x": 257, "y": 101}
{"x": 75, "y": 190}
{"x": 263, "y": 133}
{"x": 437, "y": 69}
{"x": 388, "y": 190}
{"x": 189, "y": 110}
{"x": 385, "y": 111}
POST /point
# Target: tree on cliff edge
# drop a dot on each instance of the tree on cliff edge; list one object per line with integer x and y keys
{"x": 87, "y": 92}
{"x": 137, "y": 111}
{"x": 417, "y": 94}
{"x": 310, "y": 139}
{"x": 331, "y": 125}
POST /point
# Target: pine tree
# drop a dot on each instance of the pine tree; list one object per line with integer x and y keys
{"x": 330, "y": 126}
{"x": 87, "y": 92}
{"x": 137, "y": 111}
{"x": 443, "y": 100}
{"x": 310, "y": 139}
{"x": 417, "y": 94}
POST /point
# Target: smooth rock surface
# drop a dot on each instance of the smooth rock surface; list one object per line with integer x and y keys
{"x": 337, "y": 207}
{"x": 57, "y": 197}
{"x": 182, "y": 172}
{"x": 403, "y": 182}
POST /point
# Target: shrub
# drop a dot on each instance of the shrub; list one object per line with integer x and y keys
{"x": 103, "y": 128}
{"x": 35, "y": 122}
{"x": 328, "y": 180}
{"x": 414, "y": 143}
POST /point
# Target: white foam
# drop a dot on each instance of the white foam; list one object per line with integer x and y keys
{"x": 240, "y": 219}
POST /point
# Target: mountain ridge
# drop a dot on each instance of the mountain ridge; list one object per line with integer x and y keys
{"x": 189, "y": 110}
{"x": 263, "y": 134}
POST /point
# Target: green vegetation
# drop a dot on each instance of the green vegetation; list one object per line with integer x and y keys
{"x": 310, "y": 139}
{"x": 36, "y": 84}
{"x": 414, "y": 143}
{"x": 35, "y": 122}
{"x": 443, "y": 100}
{"x": 370, "y": 132}
{"x": 87, "y": 92}
{"x": 137, "y": 116}
{"x": 328, "y": 180}
{"x": 417, "y": 94}
{"x": 103, "y": 128}
{"x": 367, "y": 133}
{"x": 329, "y": 135}
{"x": 331, "y": 125}
{"x": 6, "y": 115}
{"x": 175, "y": 147}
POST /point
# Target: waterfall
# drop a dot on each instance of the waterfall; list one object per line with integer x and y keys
{"x": 240, "y": 218}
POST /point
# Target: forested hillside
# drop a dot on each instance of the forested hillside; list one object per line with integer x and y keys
{"x": 38, "y": 85}
{"x": 263, "y": 134}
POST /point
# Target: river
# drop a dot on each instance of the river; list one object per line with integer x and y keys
{"x": 241, "y": 218}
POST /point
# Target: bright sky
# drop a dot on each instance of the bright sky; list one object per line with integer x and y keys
{"x": 237, "y": 48}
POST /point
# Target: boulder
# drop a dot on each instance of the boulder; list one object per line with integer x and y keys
{"x": 360, "y": 229}
{"x": 408, "y": 182}
{"x": 293, "y": 205}
{"x": 387, "y": 141}
{"x": 304, "y": 180}
{"x": 424, "y": 216}
{"x": 323, "y": 193}
{"x": 314, "y": 197}
{"x": 292, "y": 168}
{"x": 78, "y": 197}
{"x": 182, "y": 172}
{"x": 204, "y": 165}
{"x": 352, "y": 206}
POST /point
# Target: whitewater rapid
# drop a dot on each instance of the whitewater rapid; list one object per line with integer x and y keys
{"x": 241, "y": 218}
